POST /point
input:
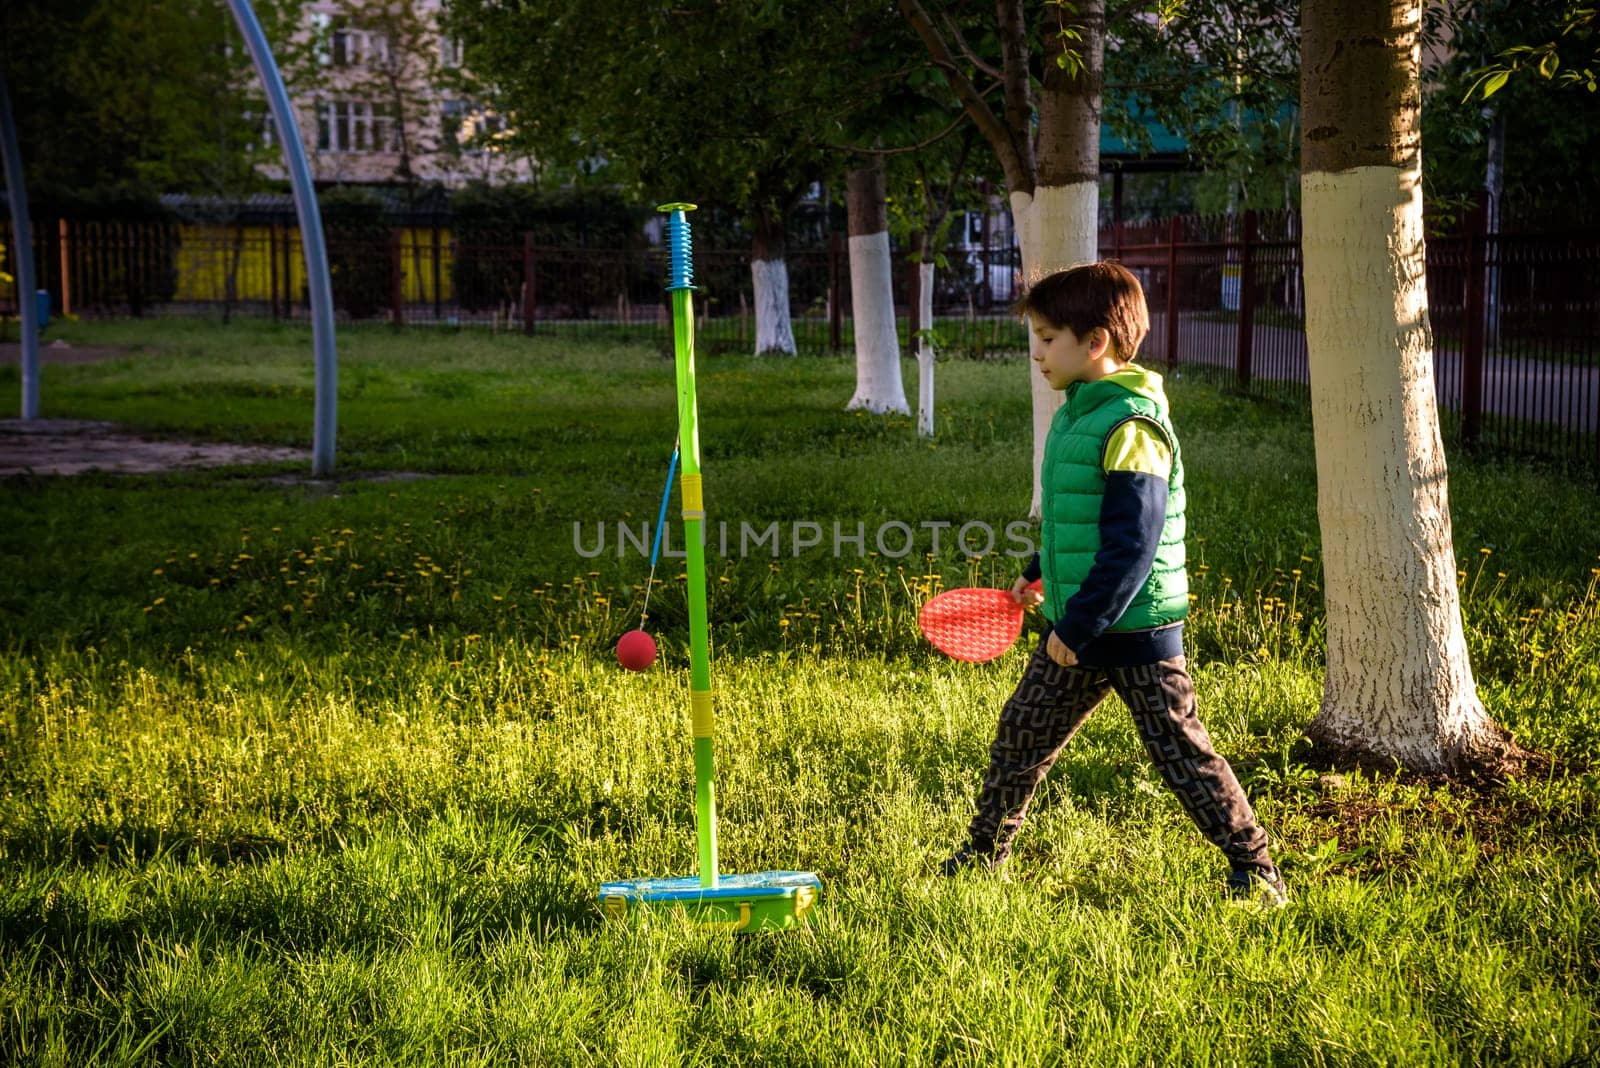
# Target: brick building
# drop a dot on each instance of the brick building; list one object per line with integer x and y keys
{"x": 383, "y": 98}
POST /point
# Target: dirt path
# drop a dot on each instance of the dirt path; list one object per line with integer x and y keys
{"x": 59, "y": 351}
{"x": 74, "y": 446}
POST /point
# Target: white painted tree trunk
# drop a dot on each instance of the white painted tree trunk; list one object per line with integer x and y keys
{"x": 879, "y": 387}
{"x": 925, "y": 352}
{"x": 1057, "y": 227}
{"x": 1398, "y": 672}
{"x": 774, "y": 331}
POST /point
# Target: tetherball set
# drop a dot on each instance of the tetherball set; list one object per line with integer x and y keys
{"x": 972, "y": 625}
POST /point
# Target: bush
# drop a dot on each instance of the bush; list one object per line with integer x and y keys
{"x": 358, "y": 250}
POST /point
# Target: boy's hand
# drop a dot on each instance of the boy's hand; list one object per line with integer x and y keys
{"x": 1026, "y": 594}
{"x": 1058, "y": 651}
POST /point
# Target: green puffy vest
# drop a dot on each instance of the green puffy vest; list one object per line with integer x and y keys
{"x": 1073, "y": 483}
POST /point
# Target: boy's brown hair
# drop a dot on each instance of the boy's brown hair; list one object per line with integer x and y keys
{"x": 1093, "y": 294}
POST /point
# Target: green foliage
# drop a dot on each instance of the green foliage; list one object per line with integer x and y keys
{"x": 1551, "y": 143}
{"x": 593, "y": 216}
{"x": 368, "y": 829}
{"x": 1578, "y": 25}
{"x": 718, "y": 101}
{"x": 358, "y": 236}
{"x": 1225, "y": 77}
{"x": 130, "y": 100}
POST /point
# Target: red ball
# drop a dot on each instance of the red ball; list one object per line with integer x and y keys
{"x": 636, "y": 650}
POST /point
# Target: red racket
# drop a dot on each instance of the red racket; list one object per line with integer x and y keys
{"x": 974, "y": 625}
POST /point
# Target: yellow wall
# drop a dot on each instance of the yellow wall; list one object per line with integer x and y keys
{"x": 205, "y": 252}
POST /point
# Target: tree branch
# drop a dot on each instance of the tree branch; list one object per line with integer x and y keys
{"x": 1014, "y": 64}
{"x": 972, "y": 57}
{"x": 971, "y": 99}
{"x": 901, "y": 150}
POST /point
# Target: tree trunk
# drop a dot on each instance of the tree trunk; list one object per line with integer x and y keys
{"x": 923, "y": 323}
{"x": 769, "y": 277}
{"x": 1058, "y": 222}
{"x": 1399, "y": 684}
{"x": 1055, "y": 190}
{"x": 878, "y": 384}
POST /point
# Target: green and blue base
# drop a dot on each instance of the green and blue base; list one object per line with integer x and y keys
{"x": 765, "y": 901}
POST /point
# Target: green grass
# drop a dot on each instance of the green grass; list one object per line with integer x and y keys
{"x": 311, "y": 774}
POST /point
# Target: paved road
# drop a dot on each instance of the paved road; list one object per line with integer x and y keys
{"x": 1561, "y": 394}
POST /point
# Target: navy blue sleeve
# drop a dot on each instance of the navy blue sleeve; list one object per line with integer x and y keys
{"x": 1132, "y": 515}
{"x": 1033, "y": 572}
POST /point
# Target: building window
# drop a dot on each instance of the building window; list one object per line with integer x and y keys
{"x": 356, "y": 126}
{"x": 321, "y": 22}
{"x": 453, "y": 126}
{"x": 354, "y": 47}
{"x": 451, "y": 52}
{"x": 266, "y": 128}
{"x": 469, "y": 127}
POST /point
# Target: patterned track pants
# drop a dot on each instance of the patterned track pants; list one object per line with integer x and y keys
{"x": 1051, "y": 703}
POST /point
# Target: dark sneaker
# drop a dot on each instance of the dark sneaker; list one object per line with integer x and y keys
{"x": 967, "y": 857}
{"x": 1253, "y": 886}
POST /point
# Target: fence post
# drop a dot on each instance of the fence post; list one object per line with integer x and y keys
{"x": 130, "y": 263}
{"x": 1174, "y": 232}
{"x": 835, "y": 313}
{"x": 438, "y": 301}
{"x": 1475, "y": 223}
{"x": 289, "y": 260}
{"x": 1247, "y": 299}
{"x": 914, "y": 292}
{"x": 530, "y": 295}
{"x": 397, "y": 295}
{"x": 272, "y": 266}
{"x": 66, "y": 269}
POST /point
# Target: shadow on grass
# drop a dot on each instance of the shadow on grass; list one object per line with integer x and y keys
{"x": 76, "y": 897}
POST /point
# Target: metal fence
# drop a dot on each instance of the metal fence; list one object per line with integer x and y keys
{"x": 1516, "y": 315}
{"x": 1515, "y": 318}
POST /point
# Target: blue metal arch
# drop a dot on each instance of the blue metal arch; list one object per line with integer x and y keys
{"x": 325, "y": 420}
{"x": 21, "y": 255}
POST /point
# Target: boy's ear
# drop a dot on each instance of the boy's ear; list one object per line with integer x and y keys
{"x": 1099, "y": 342}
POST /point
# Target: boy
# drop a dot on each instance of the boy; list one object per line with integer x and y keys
{"x": 1112, "y": 561}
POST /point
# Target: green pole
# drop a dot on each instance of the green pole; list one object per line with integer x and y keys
{"x": 702, "y": 722}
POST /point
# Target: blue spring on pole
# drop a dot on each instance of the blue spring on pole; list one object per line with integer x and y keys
{"x": 680, "y": 273}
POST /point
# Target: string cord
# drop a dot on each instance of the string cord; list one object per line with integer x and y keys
{"x": 661, "y": 520}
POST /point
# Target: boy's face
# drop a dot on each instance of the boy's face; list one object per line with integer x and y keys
{"x": 1065, "y": 358}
